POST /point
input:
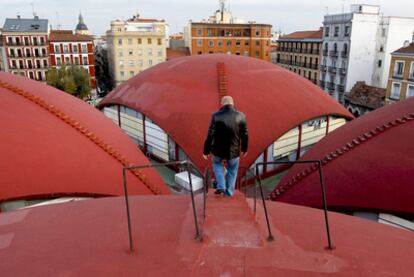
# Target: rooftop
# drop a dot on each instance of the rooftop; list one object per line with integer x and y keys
{"x": 405, "y": 50}
{"x": 316, "y": 34}
{"x": 68, "y": 35}
{"x": 24, "y": 25}
{"x": 367, "y": 96}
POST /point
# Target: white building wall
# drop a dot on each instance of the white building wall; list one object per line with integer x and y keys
{"x": 362, "y": 49}
{"x": 392, "y": 33}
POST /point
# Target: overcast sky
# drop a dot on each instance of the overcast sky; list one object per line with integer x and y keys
{"x": 286, "y": 15}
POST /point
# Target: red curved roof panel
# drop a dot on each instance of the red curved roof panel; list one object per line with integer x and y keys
{"x": 55, "y": 144}
{"x": 368, "y": 164}
{"x": 180, "y": 95}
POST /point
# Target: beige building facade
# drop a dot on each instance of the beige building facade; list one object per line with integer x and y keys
{"x": 134, "y": 46}
{"x": 300, "y": 52}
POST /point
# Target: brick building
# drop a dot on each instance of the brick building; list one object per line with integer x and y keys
{"x": 223, "y": 33}
{"x": 300, "y": 52}
{"x": 25, "y": 43}
{"x": 67, "y": 48}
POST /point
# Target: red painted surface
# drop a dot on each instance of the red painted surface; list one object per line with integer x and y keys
{"x": 180, "y": 95}
{"x": 89, "y": 238}
{"x": 368, "y": 164}
{"x": 44, "y": 156}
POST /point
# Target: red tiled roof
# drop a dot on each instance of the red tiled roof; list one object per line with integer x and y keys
{"x": 406, "y": 50}
{"x": 304, "y": 34}
{"x": 367, "y": 96}
{"x": 68, "y": 35}
{"x": 177, "y": 53}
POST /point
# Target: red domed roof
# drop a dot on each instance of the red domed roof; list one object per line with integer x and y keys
{"x": 368, "y": 164}
{"x": 55, "y": 144}
{"x": 180, "y": 95}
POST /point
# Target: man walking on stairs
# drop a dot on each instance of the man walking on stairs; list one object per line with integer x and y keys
{"x": 227, "y": 137}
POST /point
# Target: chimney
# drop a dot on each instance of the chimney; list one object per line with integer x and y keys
{"x": 18, "y": 16}
{"x": 406, "y": 43}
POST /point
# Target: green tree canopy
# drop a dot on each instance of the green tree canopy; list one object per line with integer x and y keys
{"x": 74, "y": 80}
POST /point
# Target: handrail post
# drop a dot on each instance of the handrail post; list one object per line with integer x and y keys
{"x": 325, "y": 206}
{"x": 131, "y": 245}
{"x": 192, "y": 198}
{"x": 270, "y": 237}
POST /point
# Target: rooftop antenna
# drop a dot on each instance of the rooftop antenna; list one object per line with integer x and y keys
{"x": 58, "y": 21}
{"x": 33, "y": 11}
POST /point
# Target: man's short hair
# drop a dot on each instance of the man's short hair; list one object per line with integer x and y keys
{"x": 227, "y": 100}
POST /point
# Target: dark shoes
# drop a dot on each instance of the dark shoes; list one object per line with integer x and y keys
{"x": 219, "y": 191}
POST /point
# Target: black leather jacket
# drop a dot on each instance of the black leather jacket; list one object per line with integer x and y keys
{"x": 227, "y": 134}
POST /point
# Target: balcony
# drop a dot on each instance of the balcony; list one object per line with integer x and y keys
{"x": 325, "y": 53}
{"x": 332, "y": 69}
{"x": 340, "y": 88}
{"x": 398, "y": 76}
{"x": 344, "y": 54}
{"x": 330, "y": 86}
{"x": 342, "y": 71}
{"x": 313, "y": 66}
{"x": 323, "y": 68}
{"x": 333, "y": 54}
{"x": 316, "y": 52}
{"x": 322, "y": 84}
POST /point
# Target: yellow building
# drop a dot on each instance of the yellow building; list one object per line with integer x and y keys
{"x": 300, "y": 52}
{"x": 401, "y": 76}
{"x": 135, "y": 45}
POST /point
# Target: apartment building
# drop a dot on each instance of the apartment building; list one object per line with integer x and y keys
{"x": 135, "y": 45}
{"x": 357, "y": 46}
{"x": 67, "y": 48}
{"x": 3, "y": 63}
{"x": 401, "y": 74}
{"x": 225, "y": 34}
{"x": 300, "y": 52}
{"x": 25, "y": 43}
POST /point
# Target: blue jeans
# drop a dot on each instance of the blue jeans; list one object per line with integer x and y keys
{"x": 228, "y": 181}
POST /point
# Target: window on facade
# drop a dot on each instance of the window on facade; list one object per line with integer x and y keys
{"x": 219, "y": 43}
{"x": 238, "y": 43}
{"x": 120, "y": 41}
{"x": 336, "y": 31}
{"x": 159, "y": 41}
{"x": 130, "y": 52}
{"x": 347, "y": 31}
{"x": 199, "y": 32}
{"x": 379, "y": 63}
{"x": 199, "y": 43}
{"x": 257, "y": 42}
{"x": 75, "y": 48}
{"x": 45, "y": 63}
{"x": 411, "y": 77}
{"x": 257, "y": 33}
{"x": 210, "y": 43}
{"x": 246, "y": 43}
{"x": 76, "y": 60}
{"x": 399, "y": 69}
{"x": 58, "y": 61}
{"x": 140, "y": 41}
{"x": 159, "y": 53}
{"x": 140, "y": 63}
{"x": 139, "y": 52}
{"x": 57, "y": 49}
{"x": 149, "y": 62}
{"x": 326, "y": 31}
{"x": 84, "y": 48}
{"x": 121, "y": 63}
{"x": 149, "y": 41}
{"x": 410, "y": 91}
{"x": 121, "y": 73}
{"x": 257, "y": 53}
{"x": 131, "y": 73}
{"x": 384, "y": 32}
{"x": 229, "y": 43}
{"x": 381, "y": 48}
{"x": 66, "y": 49}
{"x": 130, "y": 41}
{"x": 131, "y": 63}
{"x": 395, "y": 91}
{"x": 85, "y": 60}
{"x": 120, "y": 53}
{"x": 149, "y": 52}
{"x": 67, "y": 60}
{"x": 199, "y": 53}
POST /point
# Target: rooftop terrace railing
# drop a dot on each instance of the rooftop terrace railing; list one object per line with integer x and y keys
{"x": 189, "y": 166}
{"x": 323, "y": 192}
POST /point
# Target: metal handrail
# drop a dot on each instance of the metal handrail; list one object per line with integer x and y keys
{"x": 188, "y": 165}
{"x": 321, "y": 179}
